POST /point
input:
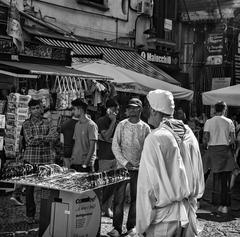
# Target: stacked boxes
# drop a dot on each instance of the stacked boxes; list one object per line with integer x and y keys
{"x": 17, "y": 113}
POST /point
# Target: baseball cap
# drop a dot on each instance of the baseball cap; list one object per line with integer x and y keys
{"x": 135, "y": 102}
{"x": 162, "y": 101}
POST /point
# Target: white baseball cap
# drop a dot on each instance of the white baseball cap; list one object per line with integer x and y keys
{"x": 162, "y": 101}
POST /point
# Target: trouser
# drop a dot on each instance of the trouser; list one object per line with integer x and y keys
{"x": 224, "y": 178}
{"x": 169, "y": 229}
{"x": 30, "y": 203}
{"x": 118, "y": 203}
{"x": 107, "y": 192}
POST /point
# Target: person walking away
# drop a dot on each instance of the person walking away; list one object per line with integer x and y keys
{"x": 85, "y": 140}
{"x": 170, "y": 175}
{"x": 219, "y": 136}
{"x": 127, "y": 146}
{"x": 66, "y": 139}
{"x": 38, "y": 135}
{"x": 107, "y": 161}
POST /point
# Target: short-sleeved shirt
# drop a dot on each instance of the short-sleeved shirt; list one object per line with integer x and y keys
{"x": 219, "y": 128}
{"x": 67, "y": 129}
{"x": 104, "y": 147}
{"x": 84, "y": 132}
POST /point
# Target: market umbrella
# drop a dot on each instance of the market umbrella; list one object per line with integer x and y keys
{"x": 130, "y": 81}
{"x": 230, "y": 94}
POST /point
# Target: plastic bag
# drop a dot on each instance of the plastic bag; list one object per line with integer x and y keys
{"x": 62, "y": 94}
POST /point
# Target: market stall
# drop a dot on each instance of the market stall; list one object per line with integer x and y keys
{"x": 231, "y": 95}
{"x": 133, "y": 82}
{"x": 70, "y": 203}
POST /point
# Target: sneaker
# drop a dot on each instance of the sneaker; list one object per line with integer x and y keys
{"x": 114, "y": 233}
{"x": 225, "y": 210}
{"x": 17, "y": 201}
{"x": 131, "y": 233}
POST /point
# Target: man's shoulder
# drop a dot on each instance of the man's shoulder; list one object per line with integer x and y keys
{"x": 91, "y": 123}
{"x": 124, "y": 121}
{"x": 220, "y": 118}
{"x": 144, "y": 124}
{"x": 103, "y": 120}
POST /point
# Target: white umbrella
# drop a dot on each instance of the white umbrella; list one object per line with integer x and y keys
{"x": 230, "y": 95}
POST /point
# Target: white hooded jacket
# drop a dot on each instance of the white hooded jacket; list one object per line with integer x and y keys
{"x": 170, "y": 177}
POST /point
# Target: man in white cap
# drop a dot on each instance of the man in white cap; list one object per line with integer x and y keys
{"x": 170, "y": 176}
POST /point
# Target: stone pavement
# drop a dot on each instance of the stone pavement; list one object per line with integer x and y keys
{"x": 211, "y": 223}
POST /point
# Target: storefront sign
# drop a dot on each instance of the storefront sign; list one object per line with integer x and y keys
{"x": 220, "y": 82}
{"x": 238, "y": 44}
{"x": 215, "y": 48}
{"x": 214, "y": 60}
{"x": 167, "y": 24}
{"x": 153, "y": 57}
{"x": 38, "y": 51}
{"x": 237, "y": 68}
{"x": 215, "y": 43}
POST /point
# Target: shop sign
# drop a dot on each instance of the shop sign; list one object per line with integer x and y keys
{"x": 237, "y": 68}
{"x": 215, "y": 43}
{"x": 167, "y": 24}
{"x": 214, "y": 60}
{"x": 220, "y": 82}
{"x": 238, "y": 43}
{"x": 153, "y": 57}
{"x": 35, "y": 50}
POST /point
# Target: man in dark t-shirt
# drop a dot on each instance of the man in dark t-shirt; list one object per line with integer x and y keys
{"x": 107, "y": 161}
{"x": 67, "y": 131}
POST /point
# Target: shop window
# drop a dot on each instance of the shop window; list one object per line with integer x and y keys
{"x": 99, "y": 4}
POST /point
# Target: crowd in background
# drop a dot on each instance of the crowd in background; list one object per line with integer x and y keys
{"x": 90, "y": 146}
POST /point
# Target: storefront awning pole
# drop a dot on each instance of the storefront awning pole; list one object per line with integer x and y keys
{"x": 18, "y": 75}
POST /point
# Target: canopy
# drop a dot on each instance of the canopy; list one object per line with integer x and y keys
{"x": 42, "y": 69}
{"x": 230, "y": 94}
{"x": 130, "y": 81}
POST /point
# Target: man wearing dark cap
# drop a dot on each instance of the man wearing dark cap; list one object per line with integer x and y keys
{"x": 85, "y": 139}
{"x": 127, "y": 146}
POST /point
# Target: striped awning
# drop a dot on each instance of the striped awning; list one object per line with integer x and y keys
{"x": 128, "y": 59}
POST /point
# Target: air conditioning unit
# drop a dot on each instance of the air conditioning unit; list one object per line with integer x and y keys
{"x": 145, "y": 7}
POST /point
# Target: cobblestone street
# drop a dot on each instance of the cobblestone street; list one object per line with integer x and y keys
{"x": 211, "y": 223}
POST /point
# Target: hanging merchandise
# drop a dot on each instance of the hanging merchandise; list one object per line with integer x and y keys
{"x": 62, "y": 94}
{"x": 80, "y": 88}
{"x": 2, "y": 106}
{"x": 43, "y": 95}
{"x": 2, "y": 121}
{"x": 72, "y": 93}
{"x": 17, "y": 113}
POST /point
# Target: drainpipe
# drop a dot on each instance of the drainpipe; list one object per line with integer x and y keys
{"x": 116, "y": 20}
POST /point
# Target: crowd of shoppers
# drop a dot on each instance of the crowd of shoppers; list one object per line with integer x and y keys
{"x": 165, "y": 164}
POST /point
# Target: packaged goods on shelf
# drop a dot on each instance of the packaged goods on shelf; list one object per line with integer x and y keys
{"x": 2, "y": 106}
{"x": 17, "y": 113}
{"x": 2, "y": 121}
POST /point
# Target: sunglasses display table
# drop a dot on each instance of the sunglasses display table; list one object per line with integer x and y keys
{"x": 70, "y": 201}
